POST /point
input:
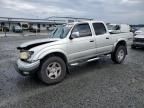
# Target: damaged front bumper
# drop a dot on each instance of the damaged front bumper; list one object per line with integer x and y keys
{"x": 27, "y": 68}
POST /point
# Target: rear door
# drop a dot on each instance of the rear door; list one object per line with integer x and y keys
{"x": 102, "y": 38}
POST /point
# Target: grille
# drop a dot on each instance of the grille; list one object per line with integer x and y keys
{"x": 139, "y": 39}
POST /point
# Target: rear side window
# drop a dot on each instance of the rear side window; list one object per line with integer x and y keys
{"x": 83, "y": 29}
{"x": 99, "y": 28}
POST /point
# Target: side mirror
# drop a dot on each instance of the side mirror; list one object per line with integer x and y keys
{"x": 74, "y": 35}
{"x": 117, "y": 27}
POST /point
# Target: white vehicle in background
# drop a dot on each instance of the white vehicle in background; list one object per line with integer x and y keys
{"x": 118, "y": 28}
{"x": 34, "y": 29}
{"x": 139, "y": 31}
{"x": 70, "y": 45}
{"x": 138, "y": 40}
{"x": 17, "y": 29}
{"x": 52, "y": 28}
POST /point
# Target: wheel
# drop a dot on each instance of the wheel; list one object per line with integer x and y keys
{"x": 119, "y": 54}
{"x": 53, "y": 70}
{"x": 133, "y": 47}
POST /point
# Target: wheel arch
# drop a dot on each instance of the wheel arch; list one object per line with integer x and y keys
{"x": 120, "y": 42}
{"x": 58, "y": 54}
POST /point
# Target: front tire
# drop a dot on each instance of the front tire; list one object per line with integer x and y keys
{"x": 53, "y": 70}
{"x": 119, "y": 54}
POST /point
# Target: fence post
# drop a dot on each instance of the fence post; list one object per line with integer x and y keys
{"x": 5, "y": 33}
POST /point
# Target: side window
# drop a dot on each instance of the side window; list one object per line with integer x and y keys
{"x": 99, "y": 28}
{"x": 117, "y": 27}
{"x": 83, "y": 29}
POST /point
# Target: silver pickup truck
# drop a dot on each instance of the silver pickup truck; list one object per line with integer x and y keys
{"x": 70, "y": 45}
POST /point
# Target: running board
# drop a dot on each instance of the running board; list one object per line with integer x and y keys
{"x": 74, "y": 64}
{"x": 89, "y": 60}
{"x": 93, "y": 59}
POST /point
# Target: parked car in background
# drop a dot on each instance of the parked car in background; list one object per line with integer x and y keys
{"x": 17, "y": 29}
{"x": 70, "y": 45}
{"x": 5, "y": 29}
{"x": 118, "y": 28}
{"x": 25, "y": 26}
{"x": 139, "y": 31}
{"x": 52, "y": 28}
{"x": 138, "y": 40}
{"x": 34, "y": 28}
{"x": 133, "y": 30}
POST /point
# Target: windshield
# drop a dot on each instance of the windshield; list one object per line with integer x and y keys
{"x": 61, "y": 31}
{"x": 110, "y": 27}
{"x": 113, "y": 27}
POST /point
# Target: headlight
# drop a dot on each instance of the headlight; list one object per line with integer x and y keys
{"x": 25, "y": 55}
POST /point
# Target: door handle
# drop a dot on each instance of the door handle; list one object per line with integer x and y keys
{"x": 107, "y": 37}
{"x": 91, "y": 40}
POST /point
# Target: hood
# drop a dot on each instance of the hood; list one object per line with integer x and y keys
{"x": 139, "y": 36}
{"x": 139, "y": 32}
{"x": 31, "y": 44}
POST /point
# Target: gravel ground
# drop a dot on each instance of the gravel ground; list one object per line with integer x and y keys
{"x": 99, "y": 84}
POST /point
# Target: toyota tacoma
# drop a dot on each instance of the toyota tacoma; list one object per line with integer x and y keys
{"x": 70, "y": 45}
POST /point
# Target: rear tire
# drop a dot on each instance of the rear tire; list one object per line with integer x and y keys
{"x": 53, "y": 70}
{"x": 119, "y": 54}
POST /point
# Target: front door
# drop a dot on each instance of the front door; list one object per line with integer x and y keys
{"x": 83, "y": 46}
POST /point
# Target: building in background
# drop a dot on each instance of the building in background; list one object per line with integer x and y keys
{"x": 68, "y": 19}
{"x": 8, "y": 24}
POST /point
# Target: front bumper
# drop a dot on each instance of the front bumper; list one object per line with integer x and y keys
{"x": 138, "y": 44}
{"x": 26, "y": 68}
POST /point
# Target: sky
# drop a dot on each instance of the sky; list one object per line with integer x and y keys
{"x": 114, "y": 11}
